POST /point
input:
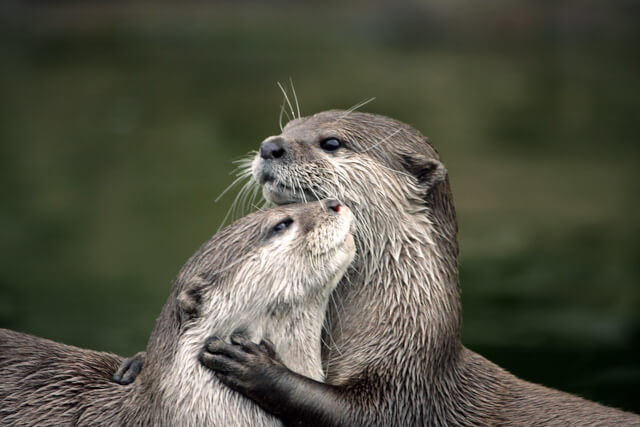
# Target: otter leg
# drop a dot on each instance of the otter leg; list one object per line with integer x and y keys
{"x": 256, "y": 371}
{"x": 130, "y": 368}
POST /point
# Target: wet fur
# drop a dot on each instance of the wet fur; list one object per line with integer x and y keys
{"x": 393, "y": 331}
{"x": 234, "y": 281}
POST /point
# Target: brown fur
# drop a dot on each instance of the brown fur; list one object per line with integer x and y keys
{"x": 53, "y": 383}
{"x": 394, "y": 334}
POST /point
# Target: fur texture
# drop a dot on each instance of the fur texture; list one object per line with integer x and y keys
{"x": 267, "y": 282}
{"x": 393, "y": 337}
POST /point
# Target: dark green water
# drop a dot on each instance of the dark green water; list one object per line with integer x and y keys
{"x": 118, "y": 128}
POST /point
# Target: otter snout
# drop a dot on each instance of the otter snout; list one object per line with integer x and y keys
{"x": 343, "y": 210}
{"x": 272, "y": 148}
{"x": 338, "y": 224}
{"x": 335, "y": 206}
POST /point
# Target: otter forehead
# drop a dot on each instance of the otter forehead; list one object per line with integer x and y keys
{"x": 234, "y": 245}
{"x": 362, "y": 131}
{"x": 238, "y": 240}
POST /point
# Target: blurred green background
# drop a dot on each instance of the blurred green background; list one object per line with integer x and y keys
{"x": 119, "y": 123}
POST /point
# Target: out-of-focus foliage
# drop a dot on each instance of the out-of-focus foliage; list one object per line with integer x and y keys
{"x": 119, "y": 123}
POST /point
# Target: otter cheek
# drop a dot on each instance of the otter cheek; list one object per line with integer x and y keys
{"x": 257, "y": 169}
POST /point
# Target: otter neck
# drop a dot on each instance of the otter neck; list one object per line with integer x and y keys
{"x": 406, "y": 282}
{"x": 295, "y": 331}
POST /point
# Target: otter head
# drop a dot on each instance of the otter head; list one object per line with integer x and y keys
{"x": 382, "y": 168}
{"x": 263, "y": 264}
{"x": 268, "y": 275}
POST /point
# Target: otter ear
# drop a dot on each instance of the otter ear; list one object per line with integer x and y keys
{"x": 190, "y": 299}
{"x": 427, "y": 171}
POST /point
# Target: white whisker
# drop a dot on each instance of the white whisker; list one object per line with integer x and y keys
{"x": 281, "y": 113}
{"x": 232, "y": 209}
{"x": 286, "y": 97}
{"x": 381, "y": 141}
{"x": 295, "y": 96}
{"x": 229, "y": 187}
{"x": 358, "y": 105}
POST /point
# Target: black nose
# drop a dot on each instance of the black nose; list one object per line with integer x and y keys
{"x": 335, "y": 205}
{"x": 271, "y": 149}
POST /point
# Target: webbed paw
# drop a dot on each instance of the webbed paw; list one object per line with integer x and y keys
{"x": 243, "y": 365}
{"x": 130, "y": 368}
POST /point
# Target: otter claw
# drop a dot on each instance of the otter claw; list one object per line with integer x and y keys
{"x": 269, "y": 348}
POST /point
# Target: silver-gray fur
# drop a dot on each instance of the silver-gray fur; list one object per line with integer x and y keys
{"x": 269, "y": 284}
{"x": 393, "y": 331}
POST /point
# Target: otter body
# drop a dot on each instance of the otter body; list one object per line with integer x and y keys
{"x": 236, "y": 281}
{"x": 46, "y": 383}
{"x": 394, "y": 355}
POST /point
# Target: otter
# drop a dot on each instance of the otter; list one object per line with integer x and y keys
{"x": 268, "y": 275}
{"x": 393, "y": 354}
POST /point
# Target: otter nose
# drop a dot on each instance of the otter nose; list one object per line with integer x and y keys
{"x": 271, "y": 149}
{"x": 336, "y": 206}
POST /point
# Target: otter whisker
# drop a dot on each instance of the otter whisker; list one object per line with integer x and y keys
{"x": 246, "y": 160}
{"x": 282, "y": 111}
{"x": 298, "y": 188}
{"x": 258, "y": 208}
{"x": 337, "y": 314}
{"x": 230, "y": 186}
{"x": 396, "y": 171}
{"x": 302, "y": 192}
{"x": 295, "y": 97}
{"x": 245, "y": 201}
{"x": 232, "y": 209}
{"x": 355, "y": 107}
{"x": 286, "y": 97}
{"x": 315, "y": 195}
{"x": 322, "y": 341}
{"x": 254, "y": 194}
{"x": 382, "y": 141}
{"x": 242, "y": 171}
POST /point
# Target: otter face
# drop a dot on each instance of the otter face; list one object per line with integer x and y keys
{"x": 276, "y": 258}
{"x": 268, "y": 275}
{"x": 365, "y": 160}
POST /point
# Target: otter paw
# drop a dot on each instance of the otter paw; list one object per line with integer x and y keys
{"x": 242, "y": 364}
{"x": 130, "y": 368}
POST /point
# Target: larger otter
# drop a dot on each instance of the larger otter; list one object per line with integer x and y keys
{"x": 394, "y": 355}
{"x": 234, "y": 281}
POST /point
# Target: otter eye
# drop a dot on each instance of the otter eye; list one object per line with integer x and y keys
{"x": 282, "y": 225}
{"x": 330, "y": 144}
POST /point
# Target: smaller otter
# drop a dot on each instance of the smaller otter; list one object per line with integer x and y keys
{"x": 268, "y": 275}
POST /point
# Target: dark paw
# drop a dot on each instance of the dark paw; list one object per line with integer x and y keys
{"x": 130, "y": 368}
{"x": 242, "y": 364}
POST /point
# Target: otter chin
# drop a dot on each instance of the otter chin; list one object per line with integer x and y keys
{"x": 280, "y": 194}
{"x": 268, "y": 275}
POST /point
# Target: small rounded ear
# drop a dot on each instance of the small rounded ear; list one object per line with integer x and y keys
{"x": 427, "y": 171}
{"x": 190, "y": 299}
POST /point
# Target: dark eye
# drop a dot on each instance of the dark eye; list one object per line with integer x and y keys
{"x": 330, "y": 144}
{"x": 282, "y": 225}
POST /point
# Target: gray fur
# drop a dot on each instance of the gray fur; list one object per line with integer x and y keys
{"x": 239, "y": 280}
{"x": 394, "y": 329}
